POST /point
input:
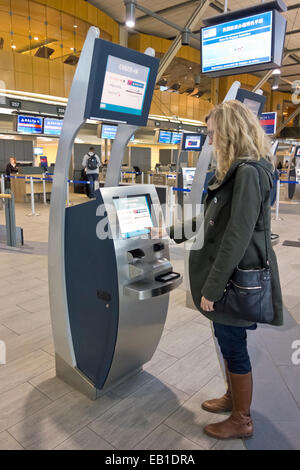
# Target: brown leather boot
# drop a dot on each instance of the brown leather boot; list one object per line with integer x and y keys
{"x": 223, "y": 404}
{"x": 239, "y": 424}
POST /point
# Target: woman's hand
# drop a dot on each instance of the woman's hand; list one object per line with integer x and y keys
{"x": 206, "y": 305}
{"x": 158, "y": 232}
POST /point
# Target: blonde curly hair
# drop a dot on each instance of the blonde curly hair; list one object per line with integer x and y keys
{"x": 237, "y": 134}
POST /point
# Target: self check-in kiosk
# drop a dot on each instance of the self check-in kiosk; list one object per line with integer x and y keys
{"x": 109, "y": 282}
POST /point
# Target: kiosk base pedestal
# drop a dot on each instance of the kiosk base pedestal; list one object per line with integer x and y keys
{"x": 82, "y": 384}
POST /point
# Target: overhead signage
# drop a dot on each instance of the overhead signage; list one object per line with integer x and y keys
{"x": 15, "y": 104}
{"x": 53, "y": 126}
{"x": 30, "y": 125}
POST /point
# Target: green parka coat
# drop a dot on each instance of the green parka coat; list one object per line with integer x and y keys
{"x": 234, "y": 236}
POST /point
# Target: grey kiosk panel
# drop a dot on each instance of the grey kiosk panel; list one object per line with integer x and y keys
{"x": 116, "y": 307}
{"x": 108, "y": 306}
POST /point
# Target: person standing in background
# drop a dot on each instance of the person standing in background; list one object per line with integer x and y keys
{"x": 11, "y": 170}
{"x": 91, "y": 163}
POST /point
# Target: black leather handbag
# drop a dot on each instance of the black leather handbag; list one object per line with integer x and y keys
{"x": 248, "y": 294}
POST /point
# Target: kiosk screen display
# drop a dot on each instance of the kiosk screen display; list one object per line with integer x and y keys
{"x": 192, "y": 142}
{"x": 124, "y": 87}
{"x": 134, "y": 215}
{"x": 238, "y": 43}
{"x": 121, "y": 84}
{"x": 165, "y": 137}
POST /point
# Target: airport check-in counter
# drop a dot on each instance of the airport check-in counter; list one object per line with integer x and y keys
{"x": 118, "y": 302}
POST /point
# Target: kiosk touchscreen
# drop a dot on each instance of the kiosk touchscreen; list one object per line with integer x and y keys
{"x": 134, "y": 215}
{"x": 109, "y": 280}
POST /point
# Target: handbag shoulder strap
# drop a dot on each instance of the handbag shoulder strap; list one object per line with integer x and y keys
{"x": 255, "y": 165}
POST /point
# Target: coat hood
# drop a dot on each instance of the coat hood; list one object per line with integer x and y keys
{"x": 263, "y": 163}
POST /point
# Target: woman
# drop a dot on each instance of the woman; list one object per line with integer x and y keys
{"x": 234, "y": 236}
{"x": 11, "y": 170}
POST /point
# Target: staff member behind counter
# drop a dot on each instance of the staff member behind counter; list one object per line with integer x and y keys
{"x": 11, "y": 170}
{"x": 233, "y": 237}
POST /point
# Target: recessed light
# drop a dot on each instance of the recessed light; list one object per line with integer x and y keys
{"x": 75, "y": 26}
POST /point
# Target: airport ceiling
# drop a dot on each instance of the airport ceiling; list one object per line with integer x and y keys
{"x": 179, "y": 12}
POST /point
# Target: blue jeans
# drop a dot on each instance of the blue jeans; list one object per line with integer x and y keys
{"x": 92, "y": 178}
{"x": 233, "y": 344}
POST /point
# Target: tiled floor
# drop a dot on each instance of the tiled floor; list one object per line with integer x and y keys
{"x": 159, "y": 408}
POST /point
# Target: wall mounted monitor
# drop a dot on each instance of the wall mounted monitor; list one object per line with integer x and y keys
{"x": 38, "y": 151}
{"x": 252, "y": 100}
{"x": 134, "y": 215}
{"x": 121, "y": 84}
{"x": 165, "y": 137}
{"x": 244, "y": 44}
{"x": 297, "y": 153}
{"x": 109, "y": 131}
{"x": 176, "y": 138}
{"x": 30, "y": 125}
{"x": 53, "y": 126}
{"x": 192, "y": 142}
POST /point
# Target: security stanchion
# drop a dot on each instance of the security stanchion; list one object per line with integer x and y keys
{"x": 277, "y": 200}
{"x": 132, "y": 178}
{"x": 142, "y": 177}
{"x": 2, "y": 184}
{"x": 68, "y": 193}
{"x": 33, "y": 213}
{"x": 44, "y": 191}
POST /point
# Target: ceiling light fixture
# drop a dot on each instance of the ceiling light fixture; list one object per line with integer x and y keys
{"x": 130, "y": 13}
{"x": 275, "y": 82}
{"x": 276, "y": 72}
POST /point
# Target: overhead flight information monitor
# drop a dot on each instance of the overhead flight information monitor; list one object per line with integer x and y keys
{"x": 109, "y": 132}
{"x": 243, "y": 44}
{"x": 176, "y": 138}
{"x": 165, "y": 137}
{"x": 134, "y": 215}
{"x": 30, "y": 125}
{"x": 121, "y": 84}
{"x": 53, "y": 126}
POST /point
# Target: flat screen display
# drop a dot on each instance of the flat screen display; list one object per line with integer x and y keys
{"x": 192, "y": 142}
{"x": 38, "y": 150}
{"x": 134, "y": 215}
{"x": 188, "y": 177}
{"x": 268, "y": 122}
{"x": 124, "y": 87}
{"x": 297, "y": 152}
{"x": 252, "y": 105}
{"x": 176, "y": 138}
{"x": 165, "y": 137}
{"x": 110, "y": 132}
{"x": 237, "y": 43}
{"x": 53, "y": 126}
{"x": 121, "y": 84}
{"x": 30, "y": 125}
